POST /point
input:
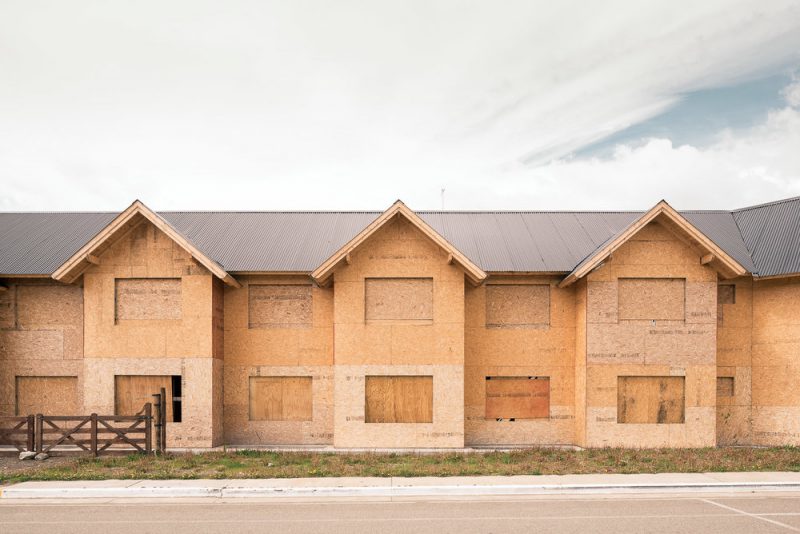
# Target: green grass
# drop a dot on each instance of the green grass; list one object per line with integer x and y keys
{"x": 265, "y": 464}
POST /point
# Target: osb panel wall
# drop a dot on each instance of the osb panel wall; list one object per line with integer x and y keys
{"x": 278, "y": 350}
{"x": 517, "y": 305}
{"x": 48, "y": 395}
{"x": 546, "y": 349}
{"x": 514, "y": 397}
{"x": 146, "y": 252}
{"x": 399, "y": 250}
{"x": 776, "y": 362}
{"x": 218, "y": 319}
{"x": 147, "y": 298}
{"x": 201, "y": 393}
{"x": 183, "y": 346}
{"x": 241, "y": 430}
{"x": 734, "y": 335}
{"x": 399, "y": 299}
{"x": 660, "y": 299}
{"x": 279, "y": 306}
{"x": 619, "y": 347}
{"x": 41, "y": 334}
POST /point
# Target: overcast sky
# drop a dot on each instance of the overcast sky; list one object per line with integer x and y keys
{"x": 351, "y": 105}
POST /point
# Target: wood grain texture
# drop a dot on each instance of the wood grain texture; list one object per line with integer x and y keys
{"x": 47, "y": 395}
{"x": 399, "y": 299}
{"x": 517, "y": 305}
{"x": 281, "y": 398}
{"x": 656, "y": 299}
{"x": 510, "y": 397}
{"x": 279, "y": 306}
{"x": 399, "y": 399}
{"x": 132, "y": 392}
{"x": 147, "y": 298}
{"x": 651, "y": 399}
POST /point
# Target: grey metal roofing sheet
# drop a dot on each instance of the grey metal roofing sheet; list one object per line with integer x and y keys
{"x": 771, "y": 232}
{"x": 764, "y": 239}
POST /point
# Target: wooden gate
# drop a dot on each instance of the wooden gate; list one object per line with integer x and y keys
{"x": 18, "y": 432}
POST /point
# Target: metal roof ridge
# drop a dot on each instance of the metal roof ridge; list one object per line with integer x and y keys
{"x": 765, "y": 204}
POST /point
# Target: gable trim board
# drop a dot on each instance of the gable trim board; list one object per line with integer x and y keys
{"x": 713, "y": 255}
{"x": 87, "y": 255}
{"x": 323, "y": 273}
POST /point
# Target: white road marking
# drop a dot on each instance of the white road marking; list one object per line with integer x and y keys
{"x": 754, "y": 516}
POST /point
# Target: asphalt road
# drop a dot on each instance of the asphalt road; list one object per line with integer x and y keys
{"x": 729, "y": 514}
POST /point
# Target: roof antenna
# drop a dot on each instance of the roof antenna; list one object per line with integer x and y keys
{"x": 443, "y": 190}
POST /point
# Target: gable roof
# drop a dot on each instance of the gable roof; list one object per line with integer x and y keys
{"x": 37, "y": 243}
{"x": 79, "y": 261}
{"x": 717, "y": 257}
{"x": 326, "y": 268}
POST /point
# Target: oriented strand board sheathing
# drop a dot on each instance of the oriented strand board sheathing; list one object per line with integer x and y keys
{"x": 398, "y": 399}
{"x": 398, "y": 299}
{"x": 517, "y": 305}
{"x": 517, "y": 397}
{"x": 652, "y": 299}
{"x": 651, "y": 399}
{"x": 131, "y": 393}
{"x": 726, "y": 295}
{"x": 148, "y": 298}
{"x": 281, "y": 398}
{"x": 48, "y": 395}
{"x": 280, "y": 306}
{"x": 725, "y": 386}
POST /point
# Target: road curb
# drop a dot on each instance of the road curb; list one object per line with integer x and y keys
{"x": 382, "y": 491}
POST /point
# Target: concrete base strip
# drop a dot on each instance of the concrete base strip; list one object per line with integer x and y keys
{"x": 232, "y": 489}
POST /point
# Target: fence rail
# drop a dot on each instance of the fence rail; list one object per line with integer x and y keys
{"x": 93, "y": 434}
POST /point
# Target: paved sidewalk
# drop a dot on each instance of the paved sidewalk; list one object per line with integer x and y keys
{"x": 407, "y": 487}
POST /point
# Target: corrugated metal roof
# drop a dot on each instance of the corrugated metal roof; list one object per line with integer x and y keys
{"x": 771, "y": 232}
{"x": 764, "y": 239}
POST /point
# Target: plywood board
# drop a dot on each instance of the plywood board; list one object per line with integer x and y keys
{"x": 279, "y": 306}
{"x": 147, "y": 298}
{"x": 656, "y": 299}
{"x": 517, "y": 305}
{"x": 48, "y": 395}
{"x": 399, "y": 299}
{"x": 725, "y": 386}
{"x": 517, "y": 397}
{"x": 131, "y": 392}
{"x": 399, "y": 399}
{"x": 281, "y": 398}
{"x": 651, "y": 399}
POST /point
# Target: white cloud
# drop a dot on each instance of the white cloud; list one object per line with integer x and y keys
{"x": 290, "y": 105}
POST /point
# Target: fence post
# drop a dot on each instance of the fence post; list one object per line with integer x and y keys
{"x": 31, "y": 441}
{"x": 94, "y": 435}
{"x": 148, "y": 428}
{"x": 157, "y": 424}
{"x": 163, "y": 420}
{"x": 39, "y": 433}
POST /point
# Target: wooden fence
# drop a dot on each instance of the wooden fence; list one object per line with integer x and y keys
{"x": 93, "y": 434}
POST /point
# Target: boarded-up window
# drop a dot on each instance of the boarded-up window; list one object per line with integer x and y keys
{"x": 399, "y": 299}
{"x": 279, "y": 306}
{"x": 513, "y": 397}
{"x": 726, "y": 294}
{"x": 147, "y": 298}
{"x": 650, "y": 399}
{"x": 281, "y": 398}
{"x": 725, "y": 386}
{"x": 656, "y": 299}
{"x": 131, "y": 392}
{"x": 517, "y": 306}
{"x": 399, "y": 399}
{"x": 48, "y": 395}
